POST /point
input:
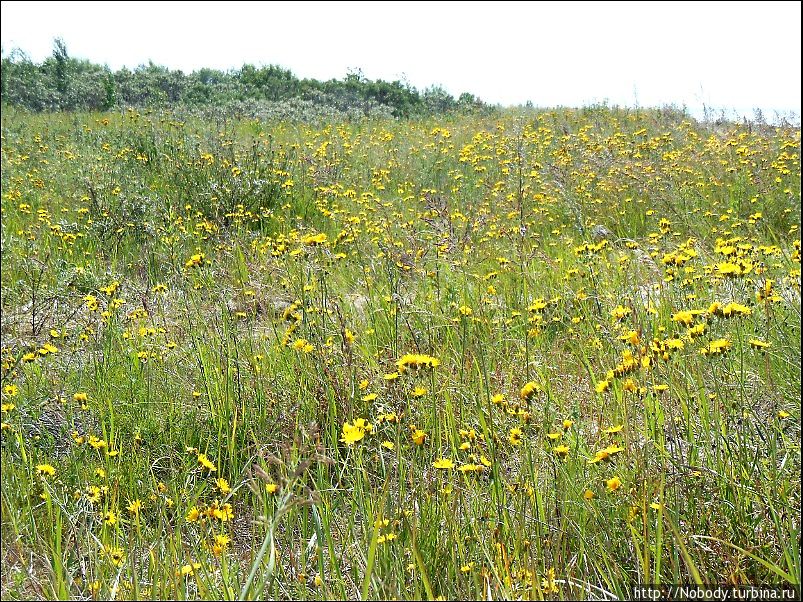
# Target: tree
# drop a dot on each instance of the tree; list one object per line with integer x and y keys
{"x": 61, "y": 59}
{"x": 110, "y": 91}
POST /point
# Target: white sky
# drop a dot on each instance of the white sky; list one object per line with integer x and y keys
{"x": 731, "y": 55}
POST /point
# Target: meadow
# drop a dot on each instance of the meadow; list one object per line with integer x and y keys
{"x": 526, "y": 354}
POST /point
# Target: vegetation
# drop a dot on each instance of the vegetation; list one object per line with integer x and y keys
{"x": 64, "y": 83}
{"x": 535, "y": 354}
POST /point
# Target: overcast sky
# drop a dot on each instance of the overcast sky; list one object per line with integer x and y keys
{"x": 732, "y": 55}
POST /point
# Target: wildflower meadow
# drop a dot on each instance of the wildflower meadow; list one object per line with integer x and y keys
{"x": 483, "y": 354}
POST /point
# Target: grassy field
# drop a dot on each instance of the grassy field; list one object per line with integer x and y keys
{"x": 538, "y": 355}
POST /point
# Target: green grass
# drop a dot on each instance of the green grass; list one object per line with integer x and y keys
{"x": 187, "y": 301}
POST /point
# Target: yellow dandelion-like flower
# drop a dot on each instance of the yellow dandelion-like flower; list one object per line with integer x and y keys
{"x": 528, "y": 390}
{"x": 134, "y": 506}
{"x": 223, "y": 513}
{"x": 414, "y": 361}
{"x": 759, "y": 344}
{"x": 205, "y": 463}
{"x": 619, "y": 312}
{"x": 684, "y": 317}
{"x": 45, "y": 470}
{"x": 548, "y": 583}
{"x": 195, "y": 261}
{"x": 717, "y": 347}
{"x": 96, "y": 442}
{"x": 515, "y": 436}
{"x": 418, "y": 436}
{"x": 352, "y": 433}
{"x": 606, "y": 454}
{"x": 314, "y": 239}
{"x": 188, "y": 569}
{"x": 466, "y": 468}
{"x": 115, "y": 555}
{"x": 219, "y": 543}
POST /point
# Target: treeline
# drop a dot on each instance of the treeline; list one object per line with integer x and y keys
{"x": 63, "y": 83}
